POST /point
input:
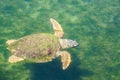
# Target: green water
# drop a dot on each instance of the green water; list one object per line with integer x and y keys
{"x": 94, "y": 24}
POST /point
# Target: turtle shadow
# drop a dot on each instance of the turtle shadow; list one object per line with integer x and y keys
{"x": 53, "y": 71}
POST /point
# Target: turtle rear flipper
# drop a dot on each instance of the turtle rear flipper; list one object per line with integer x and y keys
{"x": 14, "y": 59}
{"x": 57, "y": 28}
{"x": 10, "y": 41}
{"x": 65, "y": 59}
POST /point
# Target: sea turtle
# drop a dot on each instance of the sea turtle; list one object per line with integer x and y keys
{"x": 42, "y": 47}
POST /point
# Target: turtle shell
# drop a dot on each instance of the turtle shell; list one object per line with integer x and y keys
{"x": 36, "y": 47}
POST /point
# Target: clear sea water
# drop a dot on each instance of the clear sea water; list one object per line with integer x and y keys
{"x": 94, "y": 24}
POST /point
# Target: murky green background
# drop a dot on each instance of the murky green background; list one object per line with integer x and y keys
{"x": 94, "y": 24}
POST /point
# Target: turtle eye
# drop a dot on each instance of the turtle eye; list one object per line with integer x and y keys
{"x": 74, "y": 45}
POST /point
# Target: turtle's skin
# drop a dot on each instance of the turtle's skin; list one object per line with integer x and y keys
{"x": 42, "y": 47}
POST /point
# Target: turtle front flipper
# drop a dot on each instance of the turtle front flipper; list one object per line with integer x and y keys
{"x": 65, "y": 58}
{"x": 57, "y": 28}
{"x": 10, "y": 41}
{"x": 14, "y": 59}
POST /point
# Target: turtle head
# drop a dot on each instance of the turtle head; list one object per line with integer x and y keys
{"x": 68, "y": 43}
